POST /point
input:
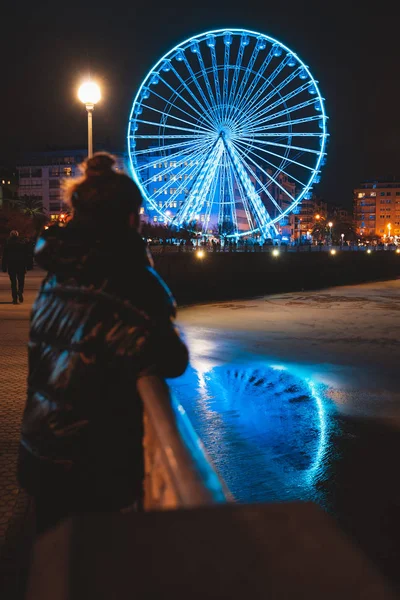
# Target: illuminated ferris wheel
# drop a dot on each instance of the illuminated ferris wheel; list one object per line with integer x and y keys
{"x": 227, "y": 130}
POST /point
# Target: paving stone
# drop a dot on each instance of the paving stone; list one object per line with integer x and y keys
{"x": 15, "y": 506}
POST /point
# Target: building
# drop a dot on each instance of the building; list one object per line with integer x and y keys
{"x": 300, "y": 223}
{"x": 40, "y": 175}
{"x": 8, "y": 185}
{"x": 377, "y": 208}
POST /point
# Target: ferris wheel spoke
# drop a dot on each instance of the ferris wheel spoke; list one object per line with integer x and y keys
{"x": 264, "y": 85}
{"x": 232, "y": 203}
{"x": 210, "y": 204}
{"x": 175, "y": 106}
{"x": 165, "y": 125}
{"x": 206, "y": 106}
{"x": 284, "y": 158}
{"x": 255, "y": 112}
{"x": 258, "y": 132}
{"x": 183, "y": 184}
{"x": 236, "y": 73}
{"x": 216, "y": 80}
{"x": 165, "y": 137}
{"x": 202, "y": 114}
{"x": 289, "y": 147}
{"x": 286, "y": 111}
{"x": 263, "y": 218}
{"x": 282, "y": 135}
{"x": 171, "y": 159}
{"x": 160, "y": 149}
{"x": 225, "y": 85}
{"x": 253, "y": 173}
{"x": 202, "y": 183}
{"x": 193, "y": 159}
{"x": 169, "y": 116}
{"x": 259, "y": 100}
{"x": 276, "y": 168}
{"x": 206, "y": 79}
{"x": 245, "y": 204}
{"x": 244, "y": 93}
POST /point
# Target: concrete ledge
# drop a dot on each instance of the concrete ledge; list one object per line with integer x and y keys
{"x": 226, "y": 552}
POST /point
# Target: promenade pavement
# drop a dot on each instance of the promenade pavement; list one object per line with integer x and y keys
{"x": 15, "y": 508}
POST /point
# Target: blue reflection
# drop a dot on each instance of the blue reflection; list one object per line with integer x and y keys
{"x": 264, "y": 426}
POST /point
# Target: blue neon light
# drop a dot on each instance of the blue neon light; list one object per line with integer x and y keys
{"x": 246, "y": 89}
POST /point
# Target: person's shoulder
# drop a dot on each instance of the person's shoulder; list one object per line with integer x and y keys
{"x": 159, "y": 296}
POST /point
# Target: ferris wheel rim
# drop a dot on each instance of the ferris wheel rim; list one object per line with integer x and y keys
{"x": 201, "y": 37}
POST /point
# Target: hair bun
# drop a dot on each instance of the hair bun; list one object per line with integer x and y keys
{"x": 100, "y": 163}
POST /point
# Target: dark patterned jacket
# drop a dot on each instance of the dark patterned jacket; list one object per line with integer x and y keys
{"x": 102, "y": 317}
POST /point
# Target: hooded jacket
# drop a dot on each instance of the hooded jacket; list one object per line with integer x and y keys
{"x": 102, "y": 317}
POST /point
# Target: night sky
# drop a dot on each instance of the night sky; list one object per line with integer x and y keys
{"x": 48, "y": 47}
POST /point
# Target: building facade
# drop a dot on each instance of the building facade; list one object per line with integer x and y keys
{"x": 40, "y": 176}
{"x": 377, "y": 208}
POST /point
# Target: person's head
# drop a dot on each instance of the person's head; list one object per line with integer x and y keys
{"x": 14, "y": 233}
{"x": 107, "y": 199}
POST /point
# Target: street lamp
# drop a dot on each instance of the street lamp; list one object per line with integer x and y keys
{"x": 89, "y": 93}
{"x": 330, "y": 225}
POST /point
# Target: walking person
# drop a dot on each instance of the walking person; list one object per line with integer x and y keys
{"x": 17, "y": 259}
{"x": 102, "y": 319}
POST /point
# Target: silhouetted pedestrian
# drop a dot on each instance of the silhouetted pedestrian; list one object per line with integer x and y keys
{"x": 102, "y": 319}
{"x": 17, "y": 259}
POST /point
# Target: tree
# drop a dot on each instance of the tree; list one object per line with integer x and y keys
{"x": 32, "y": 206}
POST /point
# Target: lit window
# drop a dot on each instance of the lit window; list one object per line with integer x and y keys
{"x": 155, "y": 219}
{"x": 154, "y": 166}
{"x": 154, "y": 177}
{"x": 159, "y": 165}
{"x": 361, "y": 195}
{"x": 165, "y": 192}
{"x": 160, "y": 178}
{"x": 3, "y": 182}
{"x": 382, "y": 193}
{"x": 373, "y": 194}
{"x": 186, "y": 163}
{"x": 67, "y": 171}
{"x": 141, "y": 210}
{"x": 160, "y": 204}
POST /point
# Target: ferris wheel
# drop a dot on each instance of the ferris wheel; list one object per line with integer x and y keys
{"x": 228, "y": 131}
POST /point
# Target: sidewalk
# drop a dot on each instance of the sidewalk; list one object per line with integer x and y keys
{"x": 14, "y": 505}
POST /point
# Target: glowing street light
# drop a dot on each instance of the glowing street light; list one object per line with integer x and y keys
{"x": 389, "y": 226}
{"x": 89, "y": 93}
{"x": 275, "y": 252}
{"x": 317, "y": 217}
{"x": 333, "y": 251}
{"x": 200, "y": 254}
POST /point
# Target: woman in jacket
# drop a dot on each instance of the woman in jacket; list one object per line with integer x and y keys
{"x": 102, "y": 318}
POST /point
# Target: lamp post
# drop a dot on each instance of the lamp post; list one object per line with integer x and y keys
{"x": 89, "y": 93}
{"x": 330, "y": 225}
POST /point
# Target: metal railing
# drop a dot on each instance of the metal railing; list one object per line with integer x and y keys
{"x": 178, "y": 472}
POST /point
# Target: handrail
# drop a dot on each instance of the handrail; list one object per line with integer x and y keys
{"x": 178, "y": 472}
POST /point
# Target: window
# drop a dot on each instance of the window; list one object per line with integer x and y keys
{"x": 160, "y": 204}
{"x": 361, "y": 195}
{"x": 54, "y": 172}
{"x": 155, "y": 219}
{"x": 24, "y": 172}
{"x": 373, "y": 194}
{"x": 382, "y": 193}
{"x": 154, "y": 177}
{"x": 54, "y": 207}
{"x": 388, "y": 193}
{"x": 160, "y": 178}
{"x": 67, "y": 171}
{"x": 397, "y": 193}
{"x": 155, "y": 166}
{"x": 165, "y": 191}
{"x": 54, "y": 183}
{"x": 36, "y": 173}
{"x": 141, "y": 211}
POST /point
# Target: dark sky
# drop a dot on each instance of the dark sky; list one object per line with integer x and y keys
{"x": 352, "y": 49}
